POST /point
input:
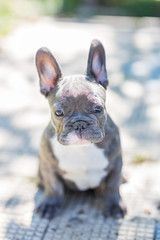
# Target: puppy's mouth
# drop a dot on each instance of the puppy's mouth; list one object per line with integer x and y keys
{"x": 80, "y": 131}
{"x": 76, "y": 138}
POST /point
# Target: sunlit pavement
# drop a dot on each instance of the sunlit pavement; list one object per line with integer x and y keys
{"x": 133, "y": 100}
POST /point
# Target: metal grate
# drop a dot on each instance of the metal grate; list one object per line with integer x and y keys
{"x": 81, "y": 219}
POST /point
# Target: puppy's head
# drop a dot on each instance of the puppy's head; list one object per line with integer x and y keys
{"x": 77, "y": 102}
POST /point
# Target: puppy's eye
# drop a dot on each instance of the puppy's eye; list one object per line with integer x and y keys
{"x": 97, "y": 109}
{"x": 59, "y": 113}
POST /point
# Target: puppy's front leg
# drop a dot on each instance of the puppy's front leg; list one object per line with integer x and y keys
{"x": 54, "y": 189}
{"x": 113, "y": 204}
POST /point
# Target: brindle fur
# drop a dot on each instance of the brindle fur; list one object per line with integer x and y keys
{"x": 50, "y": 175}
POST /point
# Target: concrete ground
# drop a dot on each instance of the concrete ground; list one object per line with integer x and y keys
{"x": 133, "y": 55}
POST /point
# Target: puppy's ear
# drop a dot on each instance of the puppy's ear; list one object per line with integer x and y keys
{"x": 48, "y": 70}
{"x": 97, "y": 63}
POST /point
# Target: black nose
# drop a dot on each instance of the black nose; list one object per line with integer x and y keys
{"x": 80, "y": 125}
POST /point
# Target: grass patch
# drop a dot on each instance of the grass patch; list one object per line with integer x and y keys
{"x": 139, "y": 159}
{"x": 138, "y": 8}
{"x": 33, "y": 180}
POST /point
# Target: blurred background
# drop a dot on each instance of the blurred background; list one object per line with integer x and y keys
{"x": 130, "y": 33}
{"x": 12, "y": 10}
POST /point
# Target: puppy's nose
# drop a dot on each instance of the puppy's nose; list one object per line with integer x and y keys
{"x": 80, "y": 125}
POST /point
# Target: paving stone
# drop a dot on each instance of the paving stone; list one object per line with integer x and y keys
{"x": 138, "y": 116}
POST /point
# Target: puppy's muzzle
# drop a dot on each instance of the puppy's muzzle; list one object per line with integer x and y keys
{"x": 79, "y": 124}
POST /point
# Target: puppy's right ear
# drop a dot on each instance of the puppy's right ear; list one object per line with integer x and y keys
{"x": 48, "y": 70}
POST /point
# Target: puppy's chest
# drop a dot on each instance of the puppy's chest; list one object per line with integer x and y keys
{"x": 86, "y": 166}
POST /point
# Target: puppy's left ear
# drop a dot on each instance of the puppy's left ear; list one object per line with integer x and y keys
{"x": 97, "y": 63}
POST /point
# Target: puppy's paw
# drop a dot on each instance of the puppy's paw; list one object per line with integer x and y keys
{"x": 49, "y": 207}
{"x": 115, "y": 210}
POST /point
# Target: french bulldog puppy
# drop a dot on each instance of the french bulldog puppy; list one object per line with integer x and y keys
{"x": 80, "y": 148}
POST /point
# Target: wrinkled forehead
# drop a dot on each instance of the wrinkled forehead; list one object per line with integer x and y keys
{"x": 79, "y": 85}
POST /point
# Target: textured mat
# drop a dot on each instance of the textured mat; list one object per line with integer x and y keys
{"x": 81, "y": 218}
